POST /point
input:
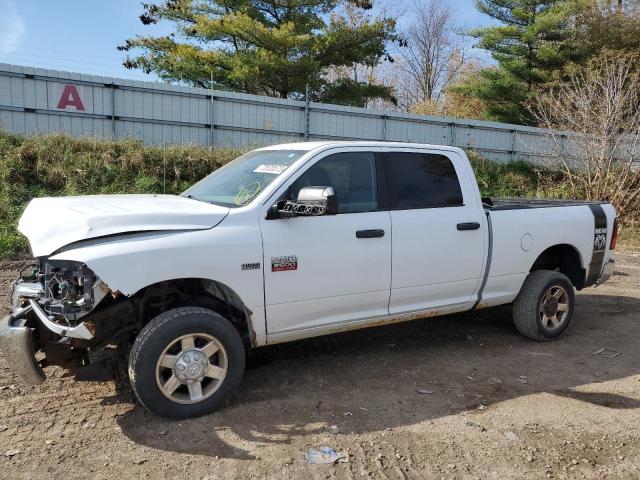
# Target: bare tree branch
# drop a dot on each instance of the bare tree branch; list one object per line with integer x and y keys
{"x": 593, "y": 121}
{"x": 433, "y": 57}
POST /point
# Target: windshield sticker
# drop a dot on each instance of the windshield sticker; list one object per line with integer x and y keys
{"x": 246, "y": 194}
{"x": 273, "y": 169}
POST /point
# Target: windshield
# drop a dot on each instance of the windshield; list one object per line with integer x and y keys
{"x": 241, "y": 180}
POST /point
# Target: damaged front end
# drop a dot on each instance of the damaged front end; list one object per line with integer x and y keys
{"x": 55, "y": 320}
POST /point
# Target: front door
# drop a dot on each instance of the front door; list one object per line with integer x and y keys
{"x": 319, "y": 271}
{"x": 438, "y": 231}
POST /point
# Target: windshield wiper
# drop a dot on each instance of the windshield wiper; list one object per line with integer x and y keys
{"x": 211, "y": 202}
{"x": 191, "y": 197}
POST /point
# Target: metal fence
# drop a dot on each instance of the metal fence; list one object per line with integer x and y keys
{"x": 34, "y": 100}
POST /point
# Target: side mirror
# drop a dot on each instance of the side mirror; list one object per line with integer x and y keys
{"x": 311, "y": 201}
{"x": 318, "y": 201}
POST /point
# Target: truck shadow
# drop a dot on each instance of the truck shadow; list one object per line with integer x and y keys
{"x": 368, "y": 380}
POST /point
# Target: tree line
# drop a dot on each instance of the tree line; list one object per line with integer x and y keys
{"x": 412, "y": 56}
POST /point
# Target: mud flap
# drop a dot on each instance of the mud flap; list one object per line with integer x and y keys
{"x": 16, "y": 342}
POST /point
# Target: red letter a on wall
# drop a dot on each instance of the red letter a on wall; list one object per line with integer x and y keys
{"x": 70, "y": 96}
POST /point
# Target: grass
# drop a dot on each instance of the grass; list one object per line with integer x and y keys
{"x": 56, "y": 164}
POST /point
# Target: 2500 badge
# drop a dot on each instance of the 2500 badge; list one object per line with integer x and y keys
{"x": 283, "y": 264}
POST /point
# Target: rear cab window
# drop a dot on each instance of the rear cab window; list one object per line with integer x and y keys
{"x": 420, "y": 180}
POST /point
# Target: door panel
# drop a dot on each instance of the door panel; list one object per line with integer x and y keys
{"x": 436, "y": 263}
{"x": 318, "y": 270}
{"x": 338, "y": 277}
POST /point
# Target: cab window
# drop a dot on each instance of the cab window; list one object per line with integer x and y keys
{"x": 352, "y": 176}
{"x": 421, "y": 180}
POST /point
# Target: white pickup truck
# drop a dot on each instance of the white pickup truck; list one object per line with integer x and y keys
{"x": 286, "y": 242}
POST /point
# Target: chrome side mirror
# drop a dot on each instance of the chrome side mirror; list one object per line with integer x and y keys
{"x": 311, "y": 201}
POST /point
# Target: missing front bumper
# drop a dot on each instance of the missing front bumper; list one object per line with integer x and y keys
{"x": 16, "y": 342}
{"x": 80, "y": 331}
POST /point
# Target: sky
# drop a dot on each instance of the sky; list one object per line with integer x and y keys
{"x": 82, "y": 35}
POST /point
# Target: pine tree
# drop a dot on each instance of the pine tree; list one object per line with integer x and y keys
{"x": 268, "y": 47}
{"x": 532, "y": 44}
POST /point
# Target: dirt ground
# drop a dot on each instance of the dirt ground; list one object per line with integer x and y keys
{"x": 494, "y": 406}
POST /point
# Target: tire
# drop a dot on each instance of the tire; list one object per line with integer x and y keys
{"x": 196, "y": 345}
{"x": 533, "y": 307}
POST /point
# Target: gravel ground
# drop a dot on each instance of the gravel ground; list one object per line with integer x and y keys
{"x": 493, "y": 405}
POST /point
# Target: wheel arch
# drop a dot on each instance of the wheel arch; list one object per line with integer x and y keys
{"x": 564, "y": 258}
{"x": 161, "y": 296}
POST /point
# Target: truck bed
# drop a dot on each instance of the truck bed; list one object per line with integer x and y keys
{"x": 508, "y": 203}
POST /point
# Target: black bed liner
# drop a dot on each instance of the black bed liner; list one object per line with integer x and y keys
{"x": 496, "y": 204}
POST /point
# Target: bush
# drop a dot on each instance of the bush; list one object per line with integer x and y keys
{"x": 517, "y": 179}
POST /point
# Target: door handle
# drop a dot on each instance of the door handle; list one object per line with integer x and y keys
{"x": 468, "y": 226}
{"x": 376, "y": 233}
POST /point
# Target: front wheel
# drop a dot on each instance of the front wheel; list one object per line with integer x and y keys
{"x": 544, "y": 307}
{"x": 186, "y": 362}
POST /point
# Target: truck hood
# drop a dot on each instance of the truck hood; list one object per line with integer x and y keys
{"x": 54, "y": 222}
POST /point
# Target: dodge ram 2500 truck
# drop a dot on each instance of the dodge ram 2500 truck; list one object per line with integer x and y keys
{"x": 287, "y": 242}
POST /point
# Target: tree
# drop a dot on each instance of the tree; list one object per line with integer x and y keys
{"x": 269, "y": 47}
{"x": 593, "y": 120}
{"x": 607, "y": 24}
{"x": 360, "y": 74}
{"x": 453, "y": 103}
{"x": 433, "y": 56}
{"x": 530, "y": 46}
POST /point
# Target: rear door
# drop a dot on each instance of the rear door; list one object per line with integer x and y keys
{"x": 324, "y": 271}
{"x": 438, "y": 245}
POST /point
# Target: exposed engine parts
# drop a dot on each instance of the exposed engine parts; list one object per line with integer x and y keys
{"x": 71, "y": 290}
{"x": 59, "y": 294}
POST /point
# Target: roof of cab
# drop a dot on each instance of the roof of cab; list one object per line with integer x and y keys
{"x": 309, "y": 146}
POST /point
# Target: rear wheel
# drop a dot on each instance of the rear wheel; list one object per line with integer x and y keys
{"x": 186, "y": 362}
{"x": 544, "y": 307}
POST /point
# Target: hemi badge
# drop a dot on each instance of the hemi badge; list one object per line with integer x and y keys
{"x": 251, "y": 266}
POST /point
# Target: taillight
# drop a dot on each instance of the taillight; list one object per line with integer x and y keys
{"x": 614, "y": 235}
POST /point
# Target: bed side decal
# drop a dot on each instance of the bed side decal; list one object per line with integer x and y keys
{"x": 599, "y": 244}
